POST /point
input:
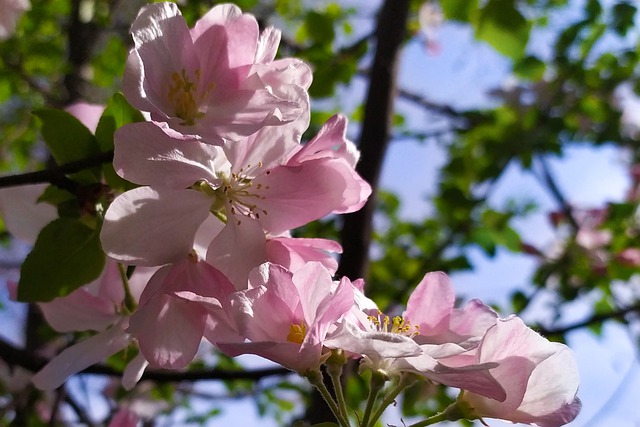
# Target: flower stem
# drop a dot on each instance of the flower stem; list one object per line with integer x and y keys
{"x": 315, "y": 378}
{"x": 405, "y": 381}
{"x": 375, "y": 385}
{"x": 129, "y": 301}
{"x": 334, "y": 369}
{"x": 453, "y": 412}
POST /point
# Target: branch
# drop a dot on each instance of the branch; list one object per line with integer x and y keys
{"x": 376, "y": 129}
{"x": 442, "y": 109}
{"x": 549, "y": 181}
{"x": 57, "y": 173}
{"x": 592, "y": 320}
{"x": 32, "y": 362}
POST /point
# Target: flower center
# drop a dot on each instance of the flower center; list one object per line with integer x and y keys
{"x": 297, "y": 332}
{"x": 235, "y": 194}
{"x": 241, "y": 194}
{"x": 397, "y": 325}
{"x": 185, "y": 98}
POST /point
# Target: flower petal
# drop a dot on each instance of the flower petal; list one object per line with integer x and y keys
{"x": 146, "y": 226}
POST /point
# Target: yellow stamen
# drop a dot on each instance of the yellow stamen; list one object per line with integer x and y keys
{"x": 297, "y": 332}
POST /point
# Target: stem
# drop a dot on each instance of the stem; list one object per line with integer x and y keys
{"x": 315, "y": 378}
{"x": 453, "y": 412}
{"x": 335, "y": 372}
{"x": 129, "y": 301}
{"x": 375, "y": 385}
{"x": 405, "y": 381}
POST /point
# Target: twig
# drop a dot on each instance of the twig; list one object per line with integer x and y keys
{"x": 55, "y": 174}
{"x": 32, "y": 362}
{"x": 592, "y": 320}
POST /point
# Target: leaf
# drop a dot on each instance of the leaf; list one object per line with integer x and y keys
{"x": 501, "y": 25}
{"x": 459, "y": 10}
{"x": 529, "y": 68}
{"x": 67, "y": 138}
{"x": 623, "y": 17}
{"x": 117, "y": 114}
{"x": 66, "y": 255}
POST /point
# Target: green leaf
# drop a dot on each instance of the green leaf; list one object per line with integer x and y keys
{"x": 623, "y": 17}
{"x": 529, "y": 68}
{"x": 55, "y": 196}
{"x": 459, "y": 10}
{"x": 67, "y": 138}
{"x": 66, "y": 255}
{"x": 117, "y": 114}
{"x": 519, "y": 301}
{"x": 502, "y": 25}
{"x": 320, "y": 27}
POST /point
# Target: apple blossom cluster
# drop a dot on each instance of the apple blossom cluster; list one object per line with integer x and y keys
{"x": 221, "y": 178}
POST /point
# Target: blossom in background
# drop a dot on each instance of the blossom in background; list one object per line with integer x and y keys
{"x": 21, "y": 212}
{"x": 124, "y": 418}
{"x": 12, "y": 10}
{"x": 540, "y": 377}
{"x": 217, "y": 80}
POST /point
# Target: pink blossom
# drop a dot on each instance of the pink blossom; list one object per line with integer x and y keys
{"x": 261, "y": 185}
{"x": 12, "y": 10}
{"x": 629, "y": 256}
{"x": 432, "y": 339}
{"x": 286, "y": 316}
{"x": 217, "y": 80}
{"x": 540, "y": 377}
{"x": 88, "y": 114}
{"x": 21, "y": 212}
{"x": 294, "y": 253}
{"x": 124, "y": 418}
{"x": 96, "y": 306}
{"x": 168, "y": 327}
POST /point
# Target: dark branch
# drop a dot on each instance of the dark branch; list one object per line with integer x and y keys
{"x": 376, "y": 130}
{"x": 592, "y": 320}
{"x": 549, "y": 181}
{"x": 442, "y": 109}
{"x": 30, "y": 361}
{"x": 57, "y": 174}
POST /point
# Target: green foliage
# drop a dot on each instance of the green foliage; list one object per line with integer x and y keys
{"x": 69, "y": 140}
{"x": 117, "y": 113}
{"x": 501, "y": 24}
{"x": 459, "y": 10}
{"x": 66, "y": 256}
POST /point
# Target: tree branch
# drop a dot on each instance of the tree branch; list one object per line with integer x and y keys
{"x": 55, "y": 174}
{"x": 32, "y": 362}
{"x": 592, "y": 320}
{"x": 376, "y": 129}
{"x": 554, "y": 189}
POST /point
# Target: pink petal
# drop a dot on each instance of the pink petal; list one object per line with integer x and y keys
{"x": 88, "y": 114}
{"x": 140, "y": 222}
{"x": 82, "y": 355}
{"x": 295, "y": 195}
{"x": 150, "y": 153}
{"x": 431, "y": 303}
{"x": 169, "y": 331}
{"x": 239, "y": 248}
{"x": 134, "y": 371}
{"x": 294, "y": 253}
{"x": 23, "y": 216}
